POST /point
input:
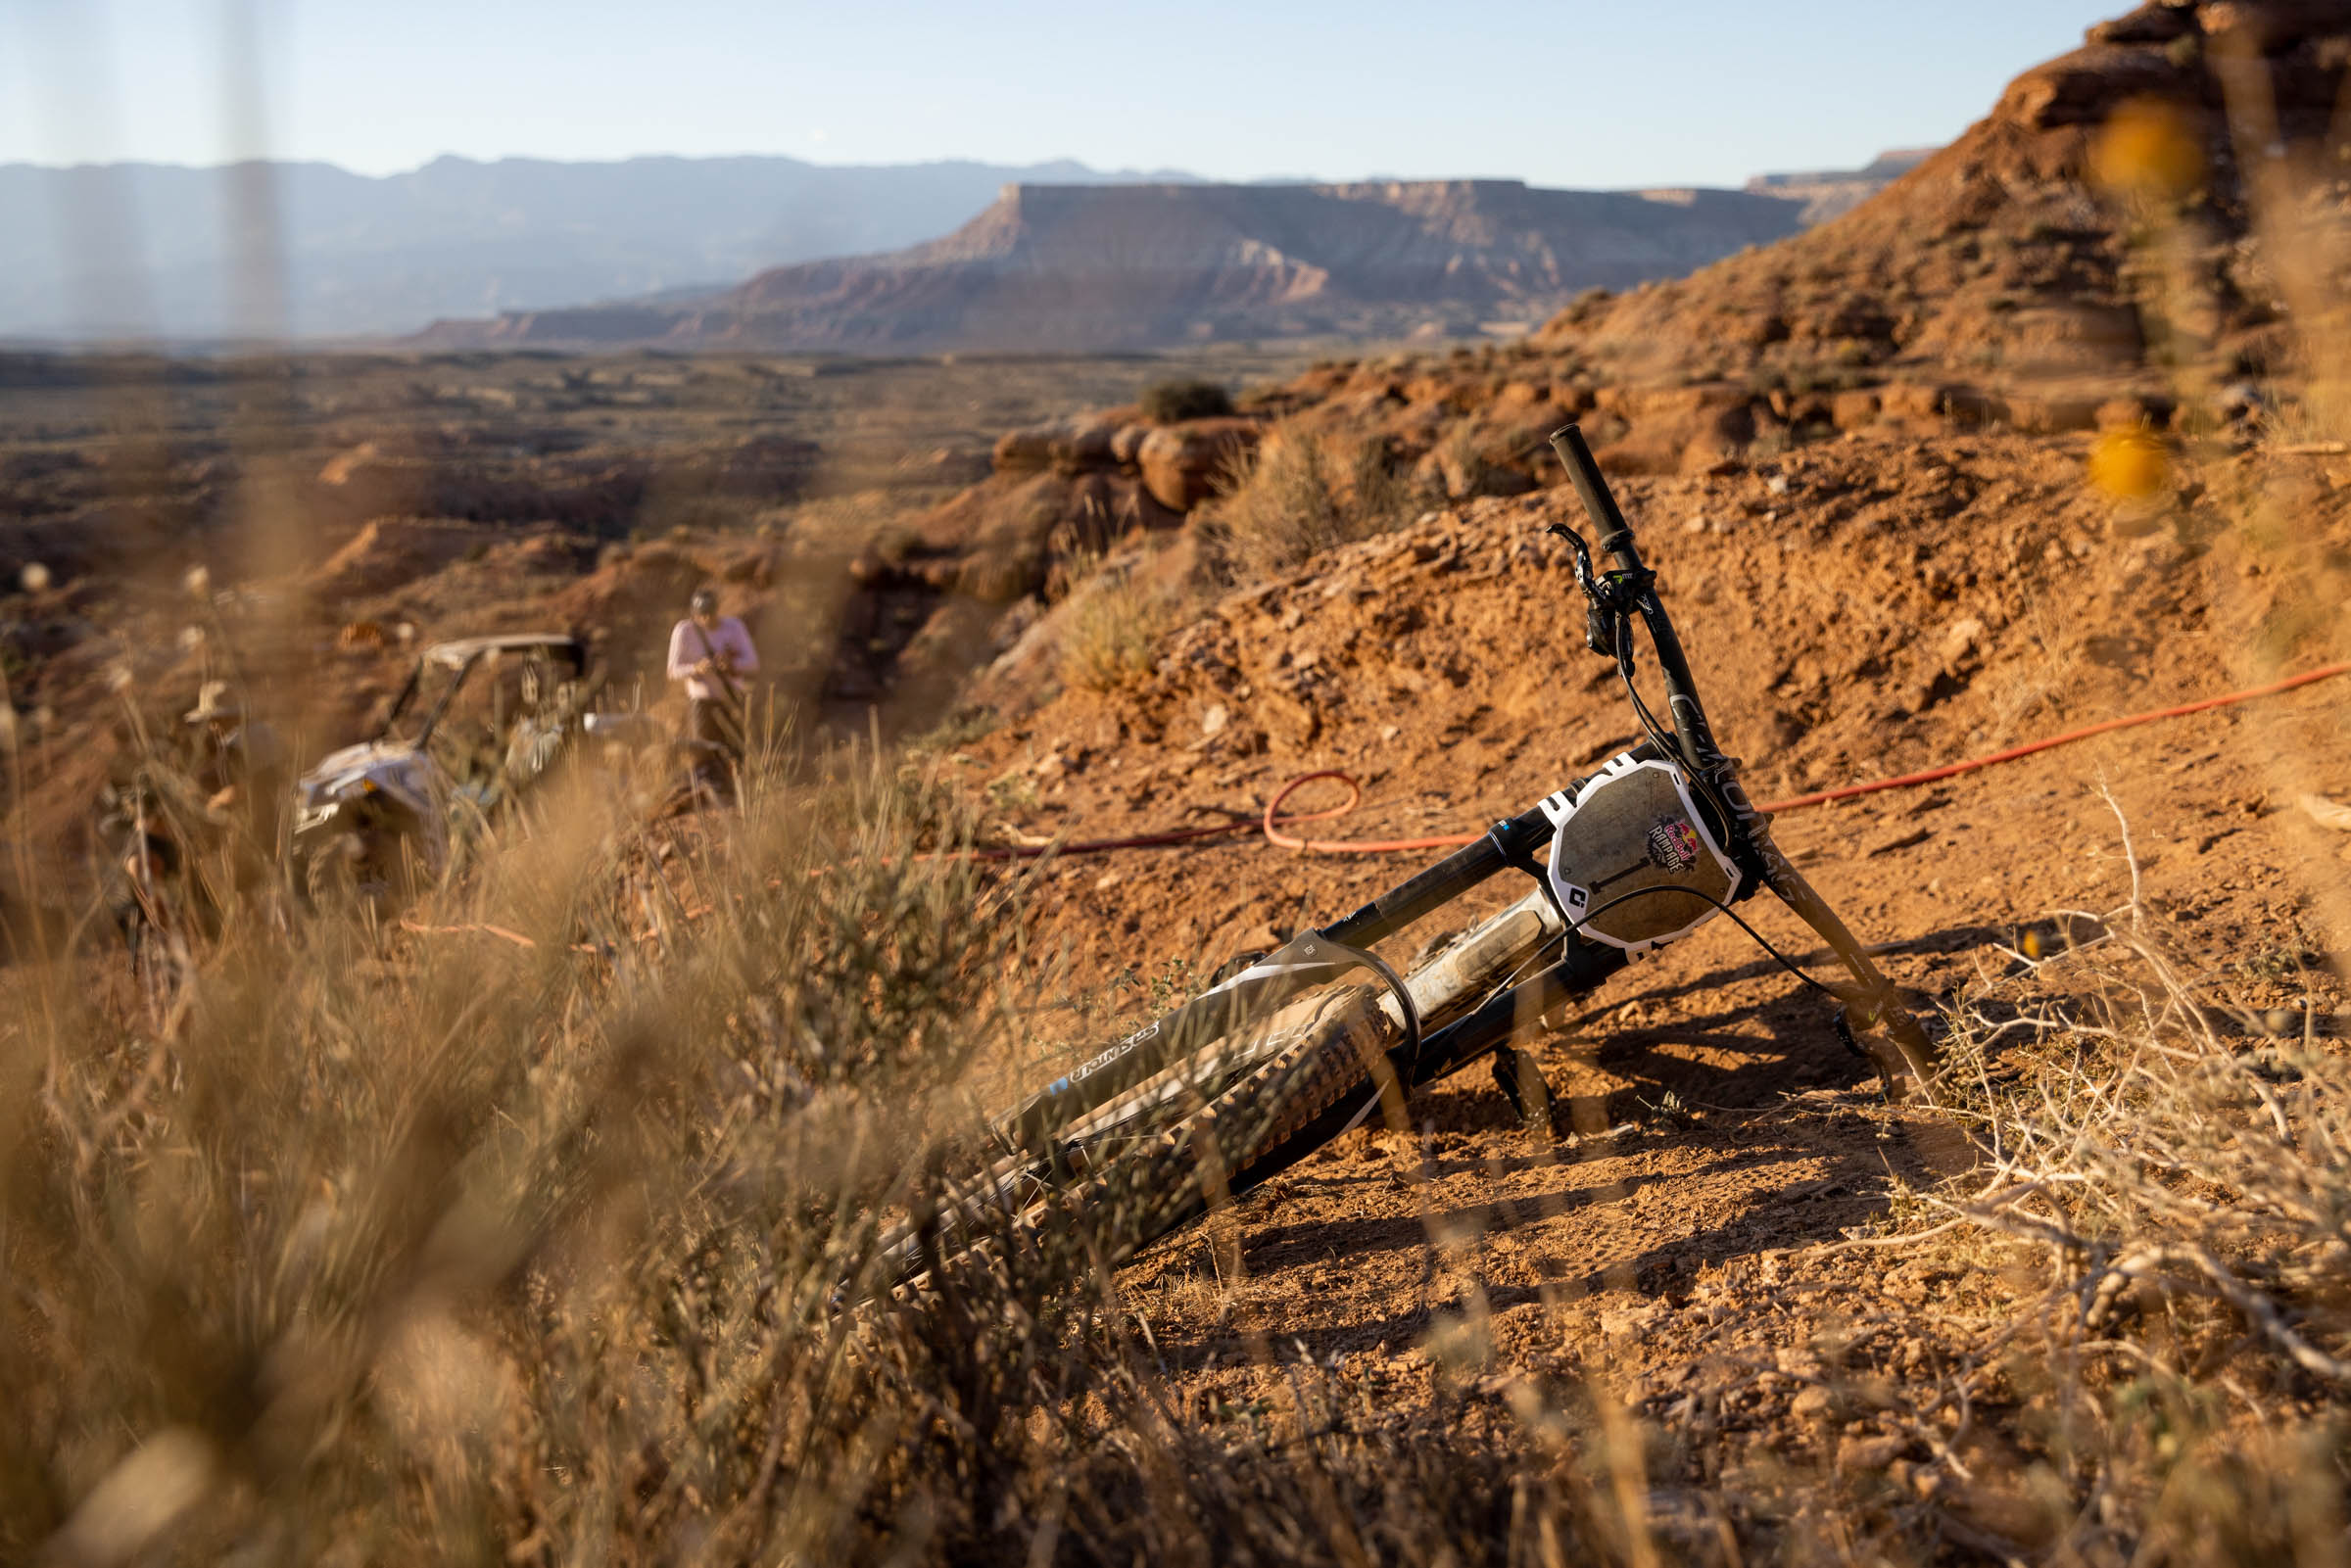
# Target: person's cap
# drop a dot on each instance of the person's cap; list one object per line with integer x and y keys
{"x": 213, "y": 702}
{"x": 703, "y": 600}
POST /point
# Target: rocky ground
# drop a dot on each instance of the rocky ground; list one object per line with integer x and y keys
{"x": 1856, "y": 610}
{"x": 301, "y": 527}
{"x": 1859, "y": 609}
{"x": 1935, "y": 479}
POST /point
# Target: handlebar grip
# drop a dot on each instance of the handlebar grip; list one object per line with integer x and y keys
{"x": 1615, "y": 534}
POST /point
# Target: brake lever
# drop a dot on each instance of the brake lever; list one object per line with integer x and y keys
{"x": 1600, "y": 625}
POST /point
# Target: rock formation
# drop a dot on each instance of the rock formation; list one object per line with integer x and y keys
{"x": 1128, "y": 266}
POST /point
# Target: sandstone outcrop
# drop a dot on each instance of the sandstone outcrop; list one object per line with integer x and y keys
{"x": 1184, "y": 464}
{"x": 2010, "y": 260}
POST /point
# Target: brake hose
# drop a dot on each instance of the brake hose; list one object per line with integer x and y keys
{"x": 1785, "y": 961}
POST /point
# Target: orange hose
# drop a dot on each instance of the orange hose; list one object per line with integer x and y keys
{"x": 1911, "y": 779}
{"x": 1346, "y": 846}
{"x": 1907, "y": 781}
{"x": 1268, "y": 822}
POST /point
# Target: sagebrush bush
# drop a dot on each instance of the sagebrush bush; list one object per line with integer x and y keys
{"x": 1111, "y": 626}
{"x": 1168, "y": 402}
{"x": 1298, "y": 495}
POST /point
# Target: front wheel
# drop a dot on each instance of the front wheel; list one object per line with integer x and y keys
{"x": 1162, "y": 1156}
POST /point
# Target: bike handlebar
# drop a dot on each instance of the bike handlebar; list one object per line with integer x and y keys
{"x": 1633, "y": 589}
{"x": 1600, "y": 504}
{"x": 1699, "y": 754}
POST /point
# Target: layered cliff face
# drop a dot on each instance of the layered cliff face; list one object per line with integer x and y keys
{"x": 1103, "y": 266}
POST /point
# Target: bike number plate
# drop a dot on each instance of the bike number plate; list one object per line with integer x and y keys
{"x": 1631, "y": 828}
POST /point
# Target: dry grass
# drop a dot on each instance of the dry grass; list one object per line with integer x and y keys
{"x": 1112, "y": 623}
{"x": 2168, "y": 1193}
{"x": 447, "y": 1247}
{"x": 1298, "y": 495}
{"x": 453, "y": 1248}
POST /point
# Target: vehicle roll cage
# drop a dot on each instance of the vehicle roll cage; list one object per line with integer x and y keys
{"x": 461, "y": 657}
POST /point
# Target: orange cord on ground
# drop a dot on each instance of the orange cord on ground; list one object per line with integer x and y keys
{"x": 1911, "y": 779}
{"x": 1271, "y": 820}
{"x": 1370, "y": 846}
{"x": 1269, "y": 823}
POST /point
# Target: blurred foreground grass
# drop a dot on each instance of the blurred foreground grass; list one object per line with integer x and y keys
{"x": 454, "y": 1249}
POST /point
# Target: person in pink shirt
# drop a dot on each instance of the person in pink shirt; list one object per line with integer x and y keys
{"x": 711, "y": 653}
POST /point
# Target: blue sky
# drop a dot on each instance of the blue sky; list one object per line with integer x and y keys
{"x": 1565, "y": 93}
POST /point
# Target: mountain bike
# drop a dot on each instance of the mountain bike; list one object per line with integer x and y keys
{"x": 1278, "y": 1058}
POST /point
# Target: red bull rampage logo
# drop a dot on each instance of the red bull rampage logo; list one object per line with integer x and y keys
{"x": 1673, "y": 844}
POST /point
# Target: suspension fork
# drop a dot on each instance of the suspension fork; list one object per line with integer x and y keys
{"x": 1871, "y": 1003}
{"x": 1583, "y": 967}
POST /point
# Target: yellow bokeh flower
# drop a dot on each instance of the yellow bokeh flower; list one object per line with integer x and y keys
{"x": 2147, "y": 148}
{"x": 2129, "y": 463}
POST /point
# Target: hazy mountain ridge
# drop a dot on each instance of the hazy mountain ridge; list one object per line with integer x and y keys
{"x": 1833, "y": 192}
{"x": 361, "y": 254}
{"x": 1132, "y": 265}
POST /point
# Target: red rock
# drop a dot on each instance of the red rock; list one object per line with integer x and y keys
{"x": 1085, "y": 445}
{"x": 1184, "y": 464}
{"x": 1024, "y": 451}
{"x": 1128, "y": 441}
{"x": 1853, "y": 409}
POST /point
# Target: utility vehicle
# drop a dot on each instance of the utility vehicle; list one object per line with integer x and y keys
{"x": 375, "y": 822}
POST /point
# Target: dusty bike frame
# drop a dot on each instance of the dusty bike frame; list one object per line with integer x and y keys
{"x": 1475, "y": 995}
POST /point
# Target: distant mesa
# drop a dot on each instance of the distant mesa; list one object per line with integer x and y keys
{"x": 653, "y": 249}
{"x": 1832, "y": 193}
{"x": 1126, "y": 267}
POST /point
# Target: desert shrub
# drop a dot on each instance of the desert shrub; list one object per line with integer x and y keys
{"x": 2171, "y": 1204}
{"x": 548, "y": 1233}
{"x": 1171, "y": 403}
{"x": 2180, "y": 1170}
{"x": 356, "y": 1249}
{"x": 1111, "y": 622}
{"x": 1298, "y": 495}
